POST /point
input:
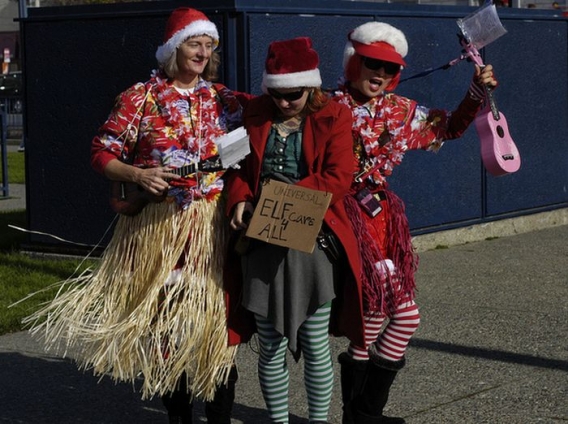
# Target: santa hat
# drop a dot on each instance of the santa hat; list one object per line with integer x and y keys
{"x": 376, "y": 40}
{"x": 290, "y": 64}
{"x": 182, "y": 24}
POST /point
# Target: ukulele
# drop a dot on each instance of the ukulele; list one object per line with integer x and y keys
{"x": 129, "y": 198}
{"x": 498, "y": 150}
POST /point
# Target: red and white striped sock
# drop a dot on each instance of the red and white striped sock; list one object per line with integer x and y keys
{"x": 394, "y": 340}
{"x": 373, "y": 325}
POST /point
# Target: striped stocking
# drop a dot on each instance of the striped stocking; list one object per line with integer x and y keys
{"x": 273, "y": 370}
{"x": 393, "y": 341}
{"x": 318, "y": 371}
{"x": 401, "y": 326}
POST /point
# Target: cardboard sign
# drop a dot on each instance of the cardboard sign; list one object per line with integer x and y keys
{"x": 288, "y": 215}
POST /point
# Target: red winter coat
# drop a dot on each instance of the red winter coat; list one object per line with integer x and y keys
{"x": 327, "y": 148}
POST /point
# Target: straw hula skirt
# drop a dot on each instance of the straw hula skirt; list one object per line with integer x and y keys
{"x": 133, "y": 317}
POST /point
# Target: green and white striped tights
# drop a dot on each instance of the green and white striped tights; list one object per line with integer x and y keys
{"x": 318, "y": 368}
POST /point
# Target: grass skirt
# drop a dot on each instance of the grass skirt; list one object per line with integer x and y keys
{"x": 121, "y": 320}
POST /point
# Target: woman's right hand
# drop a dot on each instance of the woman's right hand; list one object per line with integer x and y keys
{"x": 242, "y": 214}
{"x": 155, "y": 180}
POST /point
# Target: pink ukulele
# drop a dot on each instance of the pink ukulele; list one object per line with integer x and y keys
{"x": 498, "y": 150}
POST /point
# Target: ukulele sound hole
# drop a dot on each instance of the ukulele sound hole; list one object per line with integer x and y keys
{"x": 500, "y": 131}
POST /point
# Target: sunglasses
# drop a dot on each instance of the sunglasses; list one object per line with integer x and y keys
{"x": 289, "y": 97}
{"x": 376, "y": 64}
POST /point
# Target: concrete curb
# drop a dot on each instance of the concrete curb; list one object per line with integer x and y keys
{"x": 501, "y": 228}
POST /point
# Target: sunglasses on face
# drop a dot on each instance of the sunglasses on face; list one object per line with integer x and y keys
{"x": 289, "y": 97}
{"x": 376, "y": 64}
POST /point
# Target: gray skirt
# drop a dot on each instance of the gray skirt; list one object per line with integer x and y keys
{"x": 286, "y": 286}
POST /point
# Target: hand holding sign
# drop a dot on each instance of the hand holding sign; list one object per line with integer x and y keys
{"x": 289, "y": 215}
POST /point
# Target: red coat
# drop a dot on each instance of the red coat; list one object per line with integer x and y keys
{"x": 327, "y": 148}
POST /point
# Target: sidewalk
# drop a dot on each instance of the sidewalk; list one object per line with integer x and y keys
{"x": 492, "y": 348}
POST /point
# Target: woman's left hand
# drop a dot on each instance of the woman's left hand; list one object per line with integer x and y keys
{"x": 485, "y": 76}
{"x": 241, "y": 215}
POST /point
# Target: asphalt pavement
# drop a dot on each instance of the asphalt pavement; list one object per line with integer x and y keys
{"x": 492, "y": 347}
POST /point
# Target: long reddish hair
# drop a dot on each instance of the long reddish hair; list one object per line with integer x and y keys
{"x": 317, "y": 99}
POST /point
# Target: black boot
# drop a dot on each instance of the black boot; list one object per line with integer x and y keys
{"x": 352, "y": 377}
{"x": 179, "y": 403}
{"x": 218, "y": 411}
{"x": 368, "y": 406}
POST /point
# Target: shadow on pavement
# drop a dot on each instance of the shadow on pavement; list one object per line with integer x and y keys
{"x": 52, "y": 390}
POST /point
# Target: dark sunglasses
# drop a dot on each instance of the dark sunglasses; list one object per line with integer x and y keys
{"x": 289, "y": 97}
{"x": 376, "y": 64}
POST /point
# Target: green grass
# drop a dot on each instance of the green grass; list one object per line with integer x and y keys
{"x": 16, "y": 168}
{"x": 22, "y": 274}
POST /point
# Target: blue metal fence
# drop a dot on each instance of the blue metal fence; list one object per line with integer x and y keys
{"x": 4, "y": 153}
{"x": 11, "y": 108}
{"x": 11, "y": 128}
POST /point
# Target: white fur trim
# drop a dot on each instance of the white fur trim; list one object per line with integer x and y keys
{"x": 311, "y": 78}
{"x": 371, "y": 32}
{"x": 196, "y": 28}
{"x": 347, "y": 53}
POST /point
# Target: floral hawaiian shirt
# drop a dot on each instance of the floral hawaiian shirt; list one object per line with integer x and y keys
{"x": 386, "y": 127}
{"x": 152, "y": 124}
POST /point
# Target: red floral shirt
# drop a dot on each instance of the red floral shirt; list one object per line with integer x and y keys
{"x": 386, "y": 127}
{"x": 152, "y": 124}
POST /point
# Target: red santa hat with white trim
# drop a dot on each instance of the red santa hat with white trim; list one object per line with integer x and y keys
{"x": 376, "y": 40}
{"x": 290, "y": 64}
{"x": 184, "y": 23}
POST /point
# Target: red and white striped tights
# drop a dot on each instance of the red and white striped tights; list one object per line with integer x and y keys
{"x": 392, "y": 342}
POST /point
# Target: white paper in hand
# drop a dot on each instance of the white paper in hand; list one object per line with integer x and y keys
{"x": 233, "y": 147}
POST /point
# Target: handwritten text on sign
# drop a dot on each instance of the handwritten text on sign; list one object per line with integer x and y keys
{"x": 288, "y": 215}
